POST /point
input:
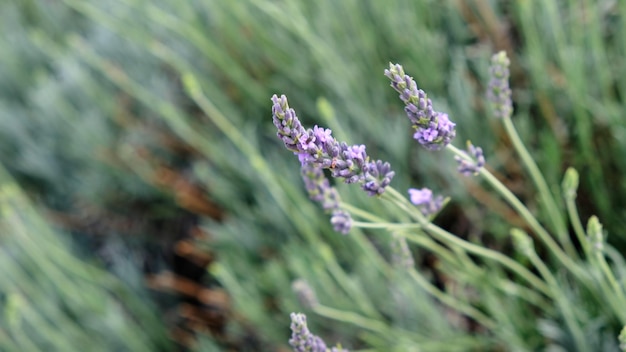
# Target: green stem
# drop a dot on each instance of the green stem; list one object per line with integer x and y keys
{"x": 608, "y": 273}
{"x": 473, "y": 248}
{"x": 358, "y": 212}
{"x": 452, "y": 302}
{"x": 572, "y": 212}
{"x": 384, "y": 225}
{"x": 547, "y": 198}
{"x": 353, "y": 318}
{"x": 527, "y": 216}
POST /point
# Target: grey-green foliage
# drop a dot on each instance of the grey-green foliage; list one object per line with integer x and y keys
{"x": 52, "y": 300}
{"x": 241, "y": 52}
{"x": 59, "y": 123}
{"x": 267, "y": 203}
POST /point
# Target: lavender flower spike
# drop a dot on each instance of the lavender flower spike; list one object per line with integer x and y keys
{"x": 499, "y": 92}
{"x": 290, "y": 130}
{"x": 320, "y": 190}
{"x": 433, "y": 129}
{"x": 318, "y": 186}
{"x": 319, "y": 148}
{"x": 469, "y": 168}
{"x": 341, "y": 221}
{"x": 378, "y": 175}
{"x": 302, "y": 340}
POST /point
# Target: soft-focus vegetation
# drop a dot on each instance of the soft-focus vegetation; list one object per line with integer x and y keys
{"x": 133, "y": 125}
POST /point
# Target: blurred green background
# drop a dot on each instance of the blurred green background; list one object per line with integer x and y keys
{"x": 147, "y": 204}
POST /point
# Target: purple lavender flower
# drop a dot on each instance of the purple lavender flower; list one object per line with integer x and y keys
{"x": 433, "y": 129}
{"x": 469, "y": 168}
{"x": 318, "y": 147}
{"x": 290, "y": 130}
{"x": 424, "y": 200}
{"x": 302, "y": 340}
{"x": 341, "y": 221}
{"x": 318, "y": 186}
{"x": 320, "y": 190}
{"x": 499, "y": 92}
{"x": 378, "y": 175}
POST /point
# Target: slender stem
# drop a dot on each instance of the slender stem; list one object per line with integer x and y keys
{"x": 441, "y": 251}
{"x": 574, "y": 219}
{"x": 453, "y": 302}
{"x": 384, "y": 225}
{"x": 608, "y": 273}
{"x": 360, "y": 212}
{"x": 353, "y": 318}
{"x": 473, "y": 248}
{"x": 490, "y": 254}
{"x": 549, "y": 203}
{"x": 528, "y": 217}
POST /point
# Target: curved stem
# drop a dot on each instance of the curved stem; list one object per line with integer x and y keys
{"x": 490, "y": 254}
{"x": 384, "y": 225}
{"x": 577, "y": 225}
{"x": 528, "y": 217}
{"x": 473, "y": 248}
{"x": 453, "y": 302}
{"x": 549, "y": 203}
{"x": 353, "y": 318}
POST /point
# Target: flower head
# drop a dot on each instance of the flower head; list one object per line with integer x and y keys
{"x": 378, "y": 175}
{"x": 341, "y": 221}
{"x": 424, "y": 200}
{"x": 471, "y": 167}
{"x": 320, "y": 190}
{"x": 302, "y": 340}
{"x": 319, "y": 148}
{"x": 499, "y": 92}
{"x": 433, "y": 129}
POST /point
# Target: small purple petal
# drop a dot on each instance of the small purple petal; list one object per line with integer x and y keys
{"x": 424, "y": 200}
{"x": 341, "y": 221}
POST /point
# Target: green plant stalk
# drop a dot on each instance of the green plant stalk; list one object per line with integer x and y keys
{"x": 452, "y": 302}
{"x": 609, "y": 296}
{"x": 441, "y": 251}
{"x": 549, "y": 203}
{"x": 361, "y": 213}
{"x": 574, "y": 217}
{"x": 385, "y": 225}
{"x": 528, "y": 217}
{"x": 348, "y": 285}
{"x": 354, "y": 319}
{"x": 560, "y": 298}
{"x": 473, "y": 248}
{"x": 617, "y": 258}
{"x": 461, "y": 260}
{"x": 610, "y": 277}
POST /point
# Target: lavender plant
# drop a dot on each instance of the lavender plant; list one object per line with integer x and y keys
{"x": 567, "y": 274}
{"x": 302, "y": 340}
